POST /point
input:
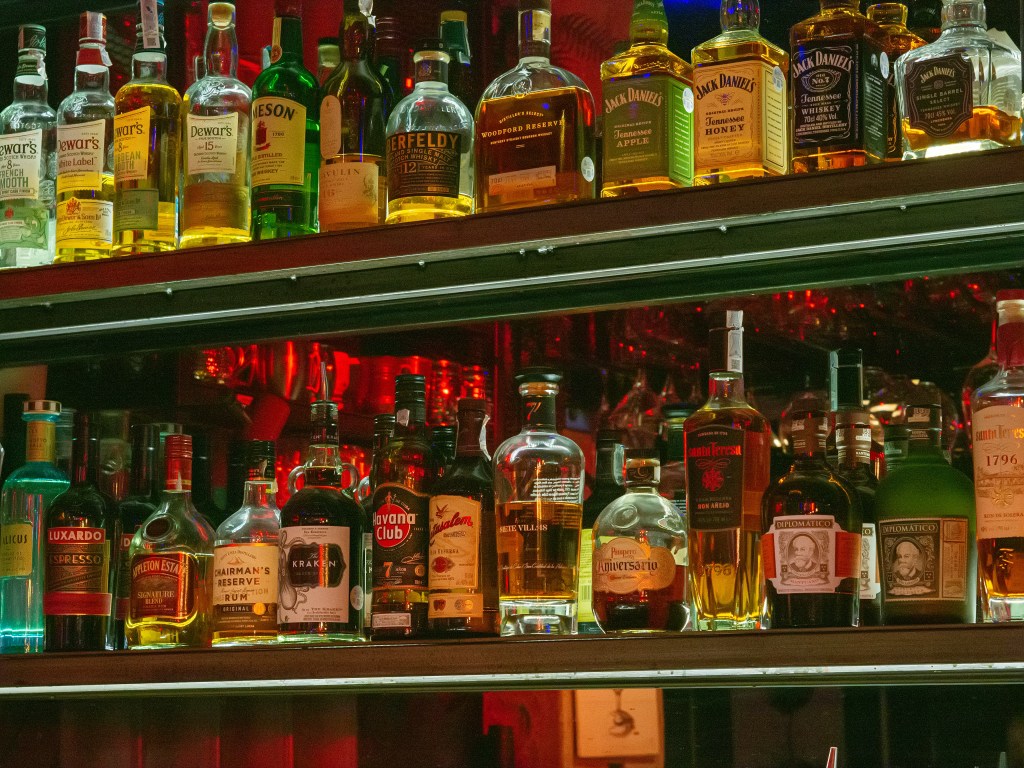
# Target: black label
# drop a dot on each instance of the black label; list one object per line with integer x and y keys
{"x": 881, "y": 131}
{"x": 714, "y": 478}
{"x": 424, "y": 163}
{"x": 826, "y": 91}
{"x": 401, "y": 537}
{"x": 940, "y": 94}
{"x": 316, "y": 565}
{"x": 924, "y": 559}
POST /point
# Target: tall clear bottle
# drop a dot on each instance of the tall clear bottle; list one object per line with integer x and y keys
{"x": 28, "y": 145}
{"x": 147, "y": 146}
{"x": 27, "y": 494}
{"x": 215, "y": 190}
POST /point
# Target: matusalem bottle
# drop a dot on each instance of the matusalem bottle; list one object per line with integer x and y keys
{"x": 608, "y": 477}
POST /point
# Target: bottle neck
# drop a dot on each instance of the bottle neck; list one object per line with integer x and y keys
{"x": 608, "y": 469}
{"x": 287, "y": 43}
{"x": 649, "y": 24}
{"x": 355, "y": 36}
{"x": 258, "y": 493}
{"x": 150, "y": 65}
{"x": 431, "y": 73}
{"x": 1010, "y": 344}
{"x": 30, "y": 79}
{"x": 741, "y": 15}
{"x": 83, "y": 457}
{"x": 179, "y": 475}
{"x": 221, "y": 52}
{"x": 888, "y": 14}
{"x": 964, "y": 13}
{"x": 41, "y": 441}
{"x": 410, "y": 417}
{"x": 853, "y": 446}
{"x": 472, "y": 436}
{"x": 853, "y": 6}
{"x": 540, "y": 413}
{"x": 535, "y": 35}
{"x": 725, "y": 385}
{"x": 91, "y": 74}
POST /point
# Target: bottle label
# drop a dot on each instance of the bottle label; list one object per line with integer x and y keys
{"x": 400, "y": 537}
{"x": 81, "y": 160}
{"x": 397, "y": 620}
{"x": 424, "y": 163}
{"x": 564, "y": 490}
{"x": 999, "y": 471}
{"x": 853, "y": 445}
{"x": 455, "y": 556}
{"x": 16, "y": 549}
{"x": 940, "y": 94}
{"x": 809, "y": 554}
{"x": 877, "y": 101}
{"x": 278, "y": 142}
{"x": 20, "y": 162}
{"x": 826, "y": 94}
{"x": 714, "y": 478}
{"x": 869, "y": 584}
{"x": 623, "y": 566}
{"x": 315, "y": 574}
{"x": 41, "y": 441}
{"x": 349, "y": 194}
{"x": 77, "y": 572}
{"x": 137, "y": 209}
{"x": 164, "y": 586}
{"x": 85, "y": 223}
{"x": 585, "y": 590}
{"x": 330, "y": 127}
{"x": 23, "y": 226}
{"x": 131, "y": 145}
{"x": 245, "y": 584}
{"x": 124, "y": 575}
{"x": 648, "y": 132}
{"x": 741, "y": 116}
{"x": 212, "y": 143}
{"x": 923, "y": 559}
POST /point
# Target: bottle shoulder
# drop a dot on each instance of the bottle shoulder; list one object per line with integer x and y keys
{"x": 40, "y": 472}
{"x": 254, "y": 525}
{"x": 217, "y": 95}
{"x": 323, "y": 506}
{"x": 27, "y": 116}
{"x": 424, "y": 111}
{"x": 174, "y": 527}
{"x": 1006, "y": 385}
{"x": 475, "y": 476}
{"x": 85, "y": 107}
{"x": 349, "y": 78}
{"x": 551, "y": 447}
{"x": 736, "y": 414}
{"x": 925, "y": 488}
{"x": 817, "y": 488}
{"x": 532, "y": 77}
{"x": 290, "y": 81}
{"x": 635, "y": 512}
{"x": 81, "y": 500}
{"x": 646, "y": 60}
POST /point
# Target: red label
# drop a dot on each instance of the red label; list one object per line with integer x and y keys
{"x": 848, "y": 550}
{"x": 392, "y": 522}
{"x": 77, "y": 572}
{"x": 163, "y": 586}
{"x": 771, "y": 570}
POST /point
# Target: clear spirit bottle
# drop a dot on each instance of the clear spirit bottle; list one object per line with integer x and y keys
{"x": 27, "y": 494}
{"x": 147, "y": 147}
{"x": 538, "y": 495}
{"x": 215, "y": 193}
{"x": 28, "y": 141}
{"x": 430, "y": 146}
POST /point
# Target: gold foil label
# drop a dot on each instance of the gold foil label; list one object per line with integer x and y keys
{"x": 16, "y": 549}
{"x": 131, "y": 145}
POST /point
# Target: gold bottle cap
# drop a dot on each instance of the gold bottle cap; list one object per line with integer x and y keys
{"x": 222, "y": 15}
{"x": 454, "y": 16}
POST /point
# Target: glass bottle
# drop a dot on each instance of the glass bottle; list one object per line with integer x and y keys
{"x": 65, "y": 437}
{"x": 463, "y": 576}
{"x": 926, "y": 532}
{"x": 550, "y": 111}
{"x": 328, "y": 58}
{"x": 391, "y": 55}
{"x": 444, "y": 441}
{"x": 741, "y": 126}
{"x": 407, "y": 475}
{"x": 27, "y": 494}
{"x": 998, "y": 432}
{"x": 429, "y": 146}
{"x": 961, "y": 93}
{"x": 113, "y": 434}
{"x": 321, "y": 582}
{"x": 353, "y": 118}
{"x": 246, "y": 561}
{"x": 28, "y": 143}
{"x": 925, "y": 18}
{"x": 383, "y": 429}
{"x": 896, "y": 447}
{"x": 538, "y": 496}
{"x": 648, "y": 110}
{"x": 462, "y": 81}
{"x": 172, "y": 564}
{"x": 728, "y": 455}
{"x": 673, "y": 464}
{"x": 285, "y": 135}
{"x": 215, "y": 191}
{"x": 82, "y": 534}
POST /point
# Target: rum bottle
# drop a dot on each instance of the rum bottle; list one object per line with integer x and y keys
{"x": 328, "y": 58}
{"x": 462, "y": 79}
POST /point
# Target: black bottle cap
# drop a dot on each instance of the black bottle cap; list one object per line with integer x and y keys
{"x": 410, "y": 387}
{"x": 609, "y": 437}
{"x": 538, "y": 374}
{"x": 384, "y": 422}
{"x": 472, "y": 405}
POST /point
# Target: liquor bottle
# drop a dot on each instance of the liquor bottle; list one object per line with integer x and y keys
{"x": 82, "y": 535}
{"x": 538, "y": 495}
{"x": 461, "y": 76}
{"x": 390, "y": 55}
{"x": 444, "y": 441}
{"x": 998, "y": 431}
{"x": 728, "y": 455}
{"x": 321, "y": 574}
{"x": 202, "y": 478}
{"x": 85, "y": 158}
{"x": 741, "y": 128}
{"x": 811, "y": 546}
{"x": 648, "y": 110}
{"x": 926, "y": 541}
{"x": 246, "y": 560}
{"x": 172, "y": 564}
{"x": 383, "y": 429}
{"x": 353, "y": 191}
{"x": 961, "y": 93}
{"x": 113, "y": 434}
{"x": 407, "y": 475}
{"x": 853, "y": 464}
{"x": 27, "y": 494}
{"x": 64, "y": 434}
{"x": 463, "y": 576}
{"x": 550, "y": 114}
{"x": 608, "y": 486}
{"x": 673, "y": 463}
{"x": 328, "y": 58}
{"x": 28, "y": 139}
{"x": 429, "y": 146}
{"x": 925, "y": 18}
{"x": 215, "y": 189}
{"x": 828, "y": 52}
{"x": 896, "y": 447}
{"x": 285, "y": 135}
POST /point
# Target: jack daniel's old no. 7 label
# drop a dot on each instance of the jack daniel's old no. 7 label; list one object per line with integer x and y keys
{"x": 826, "y": 94}
{"x": 714, "y": 475}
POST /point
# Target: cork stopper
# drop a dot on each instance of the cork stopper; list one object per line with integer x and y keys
{"x": 222, "y": 15}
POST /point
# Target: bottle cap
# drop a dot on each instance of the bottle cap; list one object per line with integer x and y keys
{"x": 51, "y": 407}
{"x": 810, "y": 431}
{"x": 178, "y": 447}
{"x": 454, "y": 15}
{"x": 443, "y": 433}
{"x": 410, "y": 387}
{"x": 222, "y": 15}
{"x": 32, "y": 37}
{"x": 673, "y": 411}
{"x": 538, "y": 375}
{"x": 726, "y": 345}
{"x": 92, "y": 27}
{"x": 432, "y": 49}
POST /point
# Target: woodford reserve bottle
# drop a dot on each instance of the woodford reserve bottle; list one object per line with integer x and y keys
{"x": 648, "y": 110}
{"x": 728, "y": 455}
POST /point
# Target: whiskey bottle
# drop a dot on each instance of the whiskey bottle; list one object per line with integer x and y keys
{"x": 246, "y": 559}
{"x": 430, "y": 146}
{"x": 82, "y": 535}
{"x": 462, "y": 79}
{"x": 639, "y": 566}
{"x": 85, "y": 156}
{"x": 648, "y": 110}
{"x": 28, "y": 143}
{"x": 998, "y": 432}
{"x": 538, "y": 495}
{"x": 926, "y": 532}
{"x": 741, "y": 128}
{"x": 961, "y": 93}
{"x": 285, "y": 135}
{"x": 535, "y": 127}
{"x": 924, "y": 18}
{"x": 172, "y": 564}
{"x": 728, "y": 455}
{"x": 353, "y": 191}
{"x": 811, "y": 546}
{"x": 215, "y": 191}
{"x": 147, "y": 146}
{"x": 27, "y": 494}
{"x": 463, "y": 576}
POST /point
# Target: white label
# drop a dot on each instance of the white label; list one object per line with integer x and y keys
{"x": 390, "y": 620}
{"x": 587, "y": 169}
{"x": 131, "y": 145}
{"x": 315, "y": 574}
{"x": 564, "y": 489}
{"x": 278, "y": 142}
{"x": 330, "y": 127}
{"x": 809, "y": 554}
{"x": 998, "y": 433}
{"x": 245, "y": 574}
{"x": 522, "y": 181}
{"x": 870, "y": 587}
{"x": 349, "y": 195}
{"x": 212, "y": 144}
{"x": 19, "y": 165}
{"x": 623, "y": 566}
{"x": 81, "y": 151}
{"x": 688, "y": 100}
{"x": 454, "y": 545}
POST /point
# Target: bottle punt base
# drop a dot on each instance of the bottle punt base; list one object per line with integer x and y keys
{"x": 1006, "y": 609}
{"x": 537, "y": 617}
{"x": 428, "y": 208}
